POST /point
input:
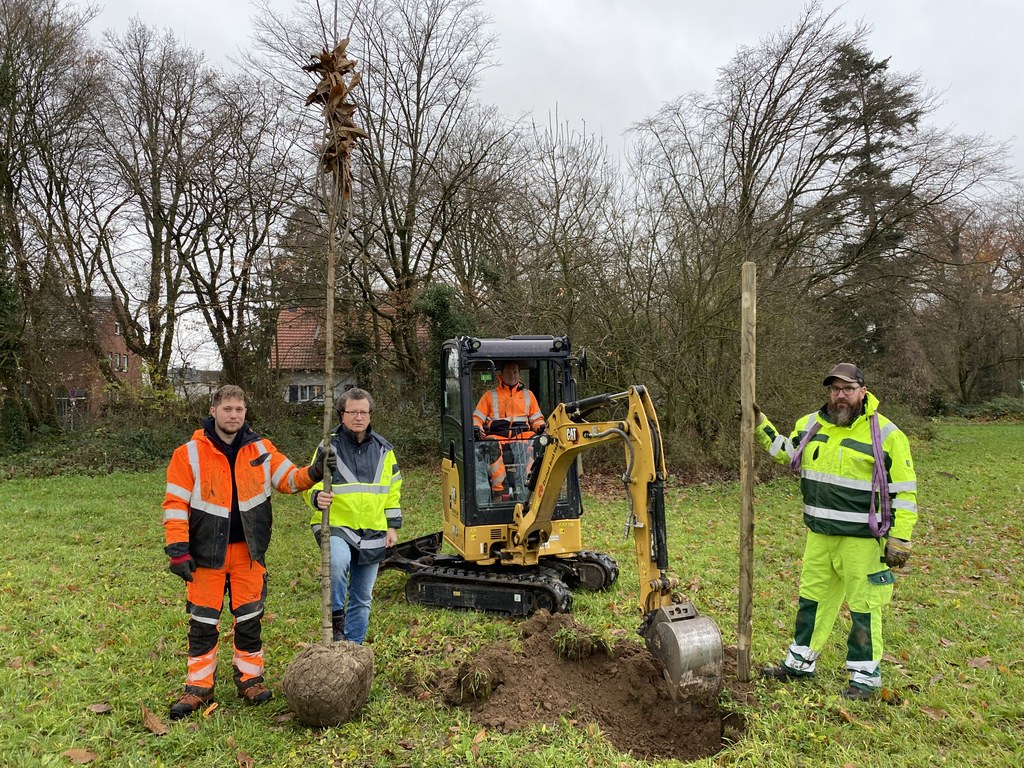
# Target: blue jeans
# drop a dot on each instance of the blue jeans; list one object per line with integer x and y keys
{"x": 355, "y": 581}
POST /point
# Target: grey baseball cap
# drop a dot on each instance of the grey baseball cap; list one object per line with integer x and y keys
{"x": 847, "y": 372}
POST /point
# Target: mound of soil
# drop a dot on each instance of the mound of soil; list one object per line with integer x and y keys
{"x": 563, "y": 670}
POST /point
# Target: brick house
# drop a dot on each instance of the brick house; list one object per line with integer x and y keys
{"x": 79, "y": 386}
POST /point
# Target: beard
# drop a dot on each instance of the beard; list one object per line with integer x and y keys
{"x": 842, "y": 414}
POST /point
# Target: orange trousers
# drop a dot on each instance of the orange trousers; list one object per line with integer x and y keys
{"x": 245, "y": 581}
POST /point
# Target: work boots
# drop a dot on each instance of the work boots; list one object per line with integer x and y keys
{"x": 338, "y": 626}
{"x": 255, "y": 694}
{"x": 189, "y": 703}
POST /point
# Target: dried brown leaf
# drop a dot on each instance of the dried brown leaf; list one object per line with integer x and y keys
{"x": 100, "y": 709}
{"x": 152, "y": 723}
{"x": 80, "y": 756}
{"x": 934, "y": 713}
{"x": 853, "y": 720}
{"x": 244, "y": 760}
{"x": 982, "y": 662}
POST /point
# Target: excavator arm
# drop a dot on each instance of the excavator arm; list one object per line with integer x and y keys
{"x": 688, "y": 645}
{"x": 567, "y": 435}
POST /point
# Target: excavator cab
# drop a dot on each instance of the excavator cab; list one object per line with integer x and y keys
{"x": 486, "y": 463}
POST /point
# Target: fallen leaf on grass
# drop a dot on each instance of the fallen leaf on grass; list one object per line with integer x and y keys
{"x": 209, "y": 710}
{"x": 152, "y": 723}
{"x": 945, "y": 643}
{"x": 284, "y": 717}
{"x": 933, "y": 713}
{"x": 80, "y": 756}
{"x": 244, "y": 761}
{"x": 982, "y": 662}
{"x": 100, "y": 709}
{"x": 853, "y": 720}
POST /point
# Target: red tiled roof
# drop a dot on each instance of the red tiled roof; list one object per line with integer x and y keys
{"x": 299, "y": 345}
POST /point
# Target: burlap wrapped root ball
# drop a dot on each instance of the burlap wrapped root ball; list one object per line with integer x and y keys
{"x": 329, "y": 684}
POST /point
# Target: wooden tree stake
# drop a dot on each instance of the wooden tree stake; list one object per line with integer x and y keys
{"x": 748, "y": 366}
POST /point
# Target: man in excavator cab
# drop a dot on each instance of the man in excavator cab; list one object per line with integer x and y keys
{"x": 506, "y": 419}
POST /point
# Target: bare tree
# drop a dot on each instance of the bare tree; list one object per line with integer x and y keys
{"x": 44, "y": 75}
{"x": 155, "y": 122}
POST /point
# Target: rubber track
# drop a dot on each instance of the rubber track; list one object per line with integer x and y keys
{"x": 557, "y": 593}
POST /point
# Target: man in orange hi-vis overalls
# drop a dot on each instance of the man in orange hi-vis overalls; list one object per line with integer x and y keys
{"x": 217, "y": 520}
{"x": 509, "y": 414}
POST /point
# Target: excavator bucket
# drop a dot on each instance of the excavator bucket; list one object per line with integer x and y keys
{"x": 689, "y": 647}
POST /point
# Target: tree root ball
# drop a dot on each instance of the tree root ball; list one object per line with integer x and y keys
{"x": 328, "y": 685}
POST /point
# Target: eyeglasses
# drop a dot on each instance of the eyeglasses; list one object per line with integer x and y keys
{"x": 357, "y": 414}
{"x": 844, "y": 390}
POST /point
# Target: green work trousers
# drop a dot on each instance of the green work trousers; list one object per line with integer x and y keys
{"x": 840, "y": 569}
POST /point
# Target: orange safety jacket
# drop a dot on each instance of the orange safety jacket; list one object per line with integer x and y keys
{"x": 517, "y": 405}
{"x": 197, "y": 503}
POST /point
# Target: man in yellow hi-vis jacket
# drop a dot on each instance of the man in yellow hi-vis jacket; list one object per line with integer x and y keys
{"x": 365, "y": 513}
{"x": 860, "y": 506}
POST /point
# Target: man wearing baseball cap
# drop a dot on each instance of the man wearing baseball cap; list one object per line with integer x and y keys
{"x": 860, "y": 505}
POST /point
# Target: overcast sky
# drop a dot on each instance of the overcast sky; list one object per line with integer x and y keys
{"x": 610, "y": 63}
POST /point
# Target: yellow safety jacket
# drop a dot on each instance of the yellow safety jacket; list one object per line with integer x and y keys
{"x": 836, "y": 469}
{"x": 367, "y": 488}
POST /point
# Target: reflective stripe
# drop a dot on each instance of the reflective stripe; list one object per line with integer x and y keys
{"x": 823, "y": 513}
{"x": 899, "y": 503}
{"x": 193, "y": 462}
{"x": 255, "y": 501}
{"x": 177, "y": 490}
{"x": 780, "y": 443}
{"x": 175, "y": 514}
{"x": 286, "y": 466}
{"x": 206, "y": 619}
{"x": 198, "y": 674}
{"x": 249, "y": 616}
{"x": 375, "y": 490}
{"x": 210, "y": 509}
{"x": 800, "y": 658}
{"x": 262, "y": 448}
{"x": 247, "y": 667}
{"x": 842, "y": 482}
{"x": 866, "y": 674}
{"x": 887, "y": 430}
{"x": 909, "y": 485}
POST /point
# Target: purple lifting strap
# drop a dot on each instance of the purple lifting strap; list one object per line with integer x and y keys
{"x": 879, "y": 484}
{"x": 794, "y": 463}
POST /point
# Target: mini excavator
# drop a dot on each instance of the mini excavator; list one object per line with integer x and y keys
{"x": 519, "y": 545}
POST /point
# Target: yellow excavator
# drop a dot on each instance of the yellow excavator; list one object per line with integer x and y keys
{"x": 518, "y": 542}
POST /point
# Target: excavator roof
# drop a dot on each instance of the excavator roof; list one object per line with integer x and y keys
{"x": 519, "y": 348}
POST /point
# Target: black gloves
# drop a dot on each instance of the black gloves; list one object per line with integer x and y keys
{"x": 183, "y": 566}
{"x": 316, "y": 467}
{"x": 897, "y": 552}
{"x": 478, "y": 434}
{"x": 540, "y": 430}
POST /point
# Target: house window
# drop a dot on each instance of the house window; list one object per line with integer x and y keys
{"x": 303, "y": 393}
{"x": 117, "y": 328}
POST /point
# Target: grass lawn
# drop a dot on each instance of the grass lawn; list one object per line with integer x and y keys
{"x": 92, "y": 629}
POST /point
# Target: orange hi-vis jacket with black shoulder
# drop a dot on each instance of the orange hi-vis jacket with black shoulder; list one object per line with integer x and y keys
{"x": 516, "y": 404}
{"x": 197, "y": 504}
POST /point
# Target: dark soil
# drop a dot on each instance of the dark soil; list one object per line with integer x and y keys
{"x": 564, "y": 671}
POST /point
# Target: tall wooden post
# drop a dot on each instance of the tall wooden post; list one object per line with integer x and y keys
{"x": 748, "y": 366}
